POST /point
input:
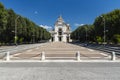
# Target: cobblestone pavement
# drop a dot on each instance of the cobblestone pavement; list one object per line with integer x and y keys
{"x": 59, "y": 50}
{"x": 60, "y": 71}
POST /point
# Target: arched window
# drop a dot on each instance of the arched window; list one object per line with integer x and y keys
{"x": 60, "y": 31}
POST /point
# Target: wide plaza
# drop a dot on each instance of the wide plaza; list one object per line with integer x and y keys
{"x": 60, "y": 63}
{"x": 59, "y": 51}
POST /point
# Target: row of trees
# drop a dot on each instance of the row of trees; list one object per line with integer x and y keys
{"x": 84, "y": 33}
{"x": 27, "y": 31}
{"x": 105, "y": 27}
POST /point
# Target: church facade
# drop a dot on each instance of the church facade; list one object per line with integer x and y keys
{"x": 61, "y": 31}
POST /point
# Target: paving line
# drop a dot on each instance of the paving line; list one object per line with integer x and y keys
{"x": 104, "y": 54}
{"x": 91, "y": 50}
{"x": 29, "y": 50}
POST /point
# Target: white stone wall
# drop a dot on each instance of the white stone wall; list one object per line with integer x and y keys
{"x": 64, "y": 38}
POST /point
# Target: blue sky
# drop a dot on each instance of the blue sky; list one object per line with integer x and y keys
{"x": 74, "y": 12}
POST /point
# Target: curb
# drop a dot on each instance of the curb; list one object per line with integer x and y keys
{"x": 34, "y": 61}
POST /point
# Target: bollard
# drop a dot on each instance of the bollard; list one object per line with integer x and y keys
{"x": 113, "y": 56}
{"x": 78, "y": 56}
{"x": 8, "y": 56}
{"x": 43, "y": 56}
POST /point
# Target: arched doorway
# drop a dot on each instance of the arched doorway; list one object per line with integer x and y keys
{"x": 67, "y": 38}
{"x": 60, "y": 39}
{"x": 60, "y": 34}
{"x": 52, "y": 39}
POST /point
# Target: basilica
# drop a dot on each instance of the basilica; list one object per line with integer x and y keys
{"x": 61, "y": 31}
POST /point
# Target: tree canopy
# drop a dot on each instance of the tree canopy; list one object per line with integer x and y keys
{"x": 108, "y": 23}
{"x": 27, "y": 31}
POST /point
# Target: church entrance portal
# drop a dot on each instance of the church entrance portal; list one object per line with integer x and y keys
{"x": 67, "y": 39}
{"x": 60, "y": 39}
{"x": 52, "y": 39}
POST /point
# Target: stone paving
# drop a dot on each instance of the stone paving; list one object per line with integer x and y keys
{"x": 59, "y": 50}
{"x": 60, "y": 71}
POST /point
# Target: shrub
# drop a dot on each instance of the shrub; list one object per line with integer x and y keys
{"x": 116, "y": 38}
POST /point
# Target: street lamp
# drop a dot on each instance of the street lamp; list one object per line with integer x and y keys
{"x": 86, "y": 33}
{"x": 41, "y": 35}
{"x": 16, "y": 30}
{"x": 33, "y": 38}
{"x": 78, "y": 36}
{"x": 104, "y": 30}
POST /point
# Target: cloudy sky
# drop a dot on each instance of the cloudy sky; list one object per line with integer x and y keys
{"x": 74, "y": 12}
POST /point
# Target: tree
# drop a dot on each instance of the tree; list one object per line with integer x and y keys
{"x": 84, "y": 33}
{"x": 27, "y": 30}
{"x": 3, "y": 22}
{"x": 116, "y": 38}
{"x": 112, "y": 24}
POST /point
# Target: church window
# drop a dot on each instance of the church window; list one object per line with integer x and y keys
{"x": 60, "y": 31}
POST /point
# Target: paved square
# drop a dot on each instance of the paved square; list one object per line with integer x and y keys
{"x": 58, "y": 50}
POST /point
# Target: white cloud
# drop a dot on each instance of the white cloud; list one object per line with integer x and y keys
{"x": 36, "y": 12}
{"x": 76, "y": 24}
{"x": 82, "y": 24}
{"x": 45, "y": 26}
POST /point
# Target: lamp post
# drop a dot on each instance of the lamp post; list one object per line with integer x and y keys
{"x": 33, "y": 36}
{"x": 16, "y": 30}
{"x": 78, "y": 35}
{"x": 41, "y": 35}
{"x": 104, "y": 30}
{"x": 86, "y": 33}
